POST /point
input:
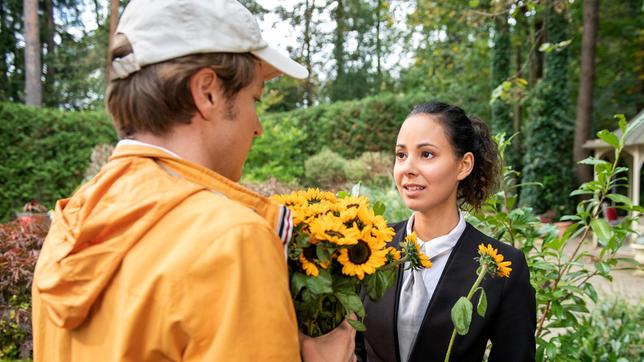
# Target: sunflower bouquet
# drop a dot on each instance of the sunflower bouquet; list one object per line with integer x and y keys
{"x": 340, "y": 245}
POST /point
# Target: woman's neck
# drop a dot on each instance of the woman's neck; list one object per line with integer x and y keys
{"x": 431, "y": 224}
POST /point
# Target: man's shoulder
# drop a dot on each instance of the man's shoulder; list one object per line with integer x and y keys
{"x": 213, "y": 210}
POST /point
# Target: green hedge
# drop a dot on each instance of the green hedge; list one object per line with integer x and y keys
{"x": 348, "y": 128}
{"x": 45, "y": 152}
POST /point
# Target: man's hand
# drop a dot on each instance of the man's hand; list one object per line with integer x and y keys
{"x": 335, "y": 346}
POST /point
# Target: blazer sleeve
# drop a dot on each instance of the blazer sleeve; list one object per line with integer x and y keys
{"x": 513, "y": 329}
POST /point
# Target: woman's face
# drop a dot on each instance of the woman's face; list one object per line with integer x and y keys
{"x": 427, "y": 171}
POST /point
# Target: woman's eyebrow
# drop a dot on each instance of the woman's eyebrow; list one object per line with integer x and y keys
{"x": 425, "y": 144}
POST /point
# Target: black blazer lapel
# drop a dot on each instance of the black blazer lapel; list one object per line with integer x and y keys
{"x": 455, "y": 281}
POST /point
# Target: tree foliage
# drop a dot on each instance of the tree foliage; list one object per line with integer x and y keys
{"x": 550, "y": 131}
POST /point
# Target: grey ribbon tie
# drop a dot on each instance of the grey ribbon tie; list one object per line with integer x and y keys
{"x": 413, "y": 303}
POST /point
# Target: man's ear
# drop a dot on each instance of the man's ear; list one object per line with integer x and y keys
{"x": 204, "y": 86}
{"x": 466, "y": 166}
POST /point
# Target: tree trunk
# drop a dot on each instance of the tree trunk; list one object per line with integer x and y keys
{"x": 308, "y": 16}
{"x": 49, "y": 62}
{"x": 114, "y": 18}
{"x": 339, "y": 85}
{"x": 33, "y": 71}
{"x": 536, "y": 57}
{"x": 516, "y": 141}
{"x": 378, "y": 44}
{"x": 583, "y": 123}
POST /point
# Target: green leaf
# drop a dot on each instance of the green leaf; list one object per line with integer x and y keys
{"x": 323, "y": 253}
{"x": 551, "y": 350}
{"x": 581, "y": 192}
{"x": 570, "y": 218}
{"x": 321, "y": 284}
{"x": 620, "y": 199}
{"x": 357, "y": 325}
{"x": 602, "y": 267}
{"x": 379, "y": 208}
{"x": 608, "y": 137}
{"x": 378, "y": 283}
{"x": 298, "y": 281}
{"x": 592, "y": 161}
{"x": 462, "y": 315}
{"x": 602, "y": 230}
{"x": 344, "y": 285}
{"x": 482, "y": 305}
{"x": 351, "y": 303}
{"x": 621, "y": 121}
{"x": 342, "y": 194}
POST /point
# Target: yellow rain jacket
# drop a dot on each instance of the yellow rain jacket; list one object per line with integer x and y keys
{"x": 159, "y": 259}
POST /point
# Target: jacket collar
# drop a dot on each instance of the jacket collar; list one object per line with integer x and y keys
{"x": 277, "y": 215}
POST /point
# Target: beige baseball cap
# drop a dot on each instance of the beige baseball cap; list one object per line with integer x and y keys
{"x": 160, "y": 30}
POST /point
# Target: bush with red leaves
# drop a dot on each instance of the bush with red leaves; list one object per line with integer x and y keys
{"x": 20, "y": 242}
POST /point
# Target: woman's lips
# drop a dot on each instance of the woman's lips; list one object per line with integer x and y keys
{"x": 413, "y": 189}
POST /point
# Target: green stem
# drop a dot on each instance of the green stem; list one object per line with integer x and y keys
{"x": 469, "y": 296}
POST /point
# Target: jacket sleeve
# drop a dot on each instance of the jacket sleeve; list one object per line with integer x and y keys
{"x": 513, "y": 329}
{"x": 238, "y": 302}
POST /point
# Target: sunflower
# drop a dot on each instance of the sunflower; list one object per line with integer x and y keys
{"x": 392, "y": 254}
{"x": 331, "y": 228}
{"x": 354, "y": 202}
{"x": 491, "y": 257}
{"x": 362, "y": 258}
{"x": 315, "y": 196}
{"x": 308, "y": 264}
{"x": 357, "y": 216}
{"x": 308, "y": 213}
{"x": 290, "y": 200}
{"x": 411, "y": 248}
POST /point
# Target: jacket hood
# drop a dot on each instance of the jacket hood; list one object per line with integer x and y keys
{"x": 92, "y": 231}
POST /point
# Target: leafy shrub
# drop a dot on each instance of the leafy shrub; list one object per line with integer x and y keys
{"x": 325, "y": 169}
{"x": 349, "y": 128}
{"x": 45, "y": 152}
{"x": 20, "y": 242}
{"x": 278, "y": 152}
{"x": 395, "y": 208}
{"x": 370, "y": 168}
{"x": 613, "y": 332}
{"x": 272, "y": 186}
{"x": 560, "y": 271}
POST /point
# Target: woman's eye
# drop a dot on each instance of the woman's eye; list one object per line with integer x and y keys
{"x": 426, "y": 154}
{"x": 400, "y": 155}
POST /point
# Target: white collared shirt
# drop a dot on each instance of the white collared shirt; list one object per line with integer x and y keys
{"x": 131, "y": 142}
{"x": 438, "y": 250}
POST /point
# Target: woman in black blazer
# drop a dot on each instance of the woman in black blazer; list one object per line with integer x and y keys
{"x": 445, "y": 159}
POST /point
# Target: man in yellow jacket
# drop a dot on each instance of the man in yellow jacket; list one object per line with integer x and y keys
{"x": 163, "y": 256}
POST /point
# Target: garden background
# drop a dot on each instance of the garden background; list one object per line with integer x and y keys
{"x": 550, "y": 72}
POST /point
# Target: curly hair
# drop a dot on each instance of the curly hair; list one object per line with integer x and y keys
{"x": 468, "y": 134}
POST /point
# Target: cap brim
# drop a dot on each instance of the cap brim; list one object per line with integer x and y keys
{"x": 281, "y": 63}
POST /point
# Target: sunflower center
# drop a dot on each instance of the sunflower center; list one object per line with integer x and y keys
{"x": 359, "y": 253}
{"x": 357, "y": 221}
{"x": 309, "y": 253}
{"x": 314, "y": 200}
{"x": 334, "y": 233}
